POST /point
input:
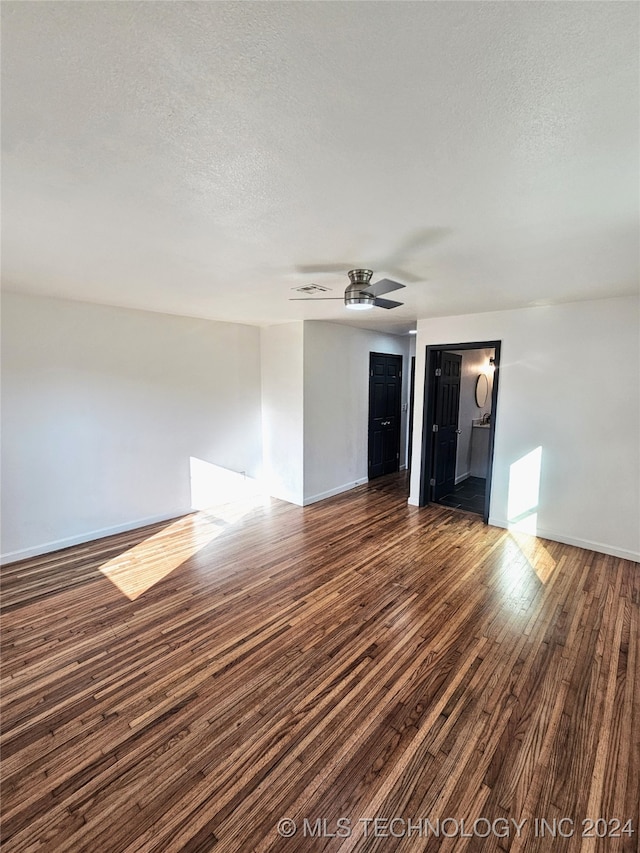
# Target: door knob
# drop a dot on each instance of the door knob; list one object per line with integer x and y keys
{"x": 458, "y": 431}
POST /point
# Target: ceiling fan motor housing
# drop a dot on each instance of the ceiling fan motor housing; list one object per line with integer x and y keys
{"x": 360, "y": 277}
{"x": 355, "y": 293}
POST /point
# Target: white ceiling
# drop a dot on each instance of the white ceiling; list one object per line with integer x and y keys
{"x": 188, "y": 157}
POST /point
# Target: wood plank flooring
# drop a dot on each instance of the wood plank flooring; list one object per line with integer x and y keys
{"x": 352, "y": 660}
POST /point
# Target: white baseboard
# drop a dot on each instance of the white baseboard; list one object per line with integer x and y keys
{"x": 600, "y": 547}
{"x": 462, "y": 477}
{"x": 413, "y": 501}
{"x": 89, "y": 536}
{"x": 312, "y": 499}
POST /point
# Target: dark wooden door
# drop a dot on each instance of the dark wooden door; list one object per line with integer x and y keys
{"x": 445, "y": 436}
{"x": 385, "y": 391}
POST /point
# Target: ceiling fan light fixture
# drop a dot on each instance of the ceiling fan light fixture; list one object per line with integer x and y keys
{"x": 359, "y": 301}
{"x": 359, "y": 306}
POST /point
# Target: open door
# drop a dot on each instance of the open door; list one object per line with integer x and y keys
{"x": 442, "y": 387}
{"x": 445, "y": 424}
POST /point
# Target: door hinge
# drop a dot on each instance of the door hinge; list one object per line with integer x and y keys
{"x": 438, "y": 371}
{"x": 435, "y": 428}
{"x": 432, "y": 481}
{"x": 397, "y": 456}
{"x": 371, "y": 372}
{"x": 400, "y": 374}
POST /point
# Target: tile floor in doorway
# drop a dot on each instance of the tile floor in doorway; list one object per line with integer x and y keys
{"x": 467, "y": 495}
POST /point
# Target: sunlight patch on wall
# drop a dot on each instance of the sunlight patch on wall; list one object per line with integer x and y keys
{"x": 524, "y": 492}
{"x": 212, "y": 485}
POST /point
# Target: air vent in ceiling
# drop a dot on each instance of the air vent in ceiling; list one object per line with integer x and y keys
{"x": 311, "y": 289}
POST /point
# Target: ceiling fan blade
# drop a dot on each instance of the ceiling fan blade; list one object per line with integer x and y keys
{"x": 386, "y": 303}
{"x": 310, "y": 269}
{"x": 385, "y": 285}
{"x": 315, "y": 298}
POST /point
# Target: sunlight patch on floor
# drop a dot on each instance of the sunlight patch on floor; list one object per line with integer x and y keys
{"x": 141, "y": 567}
{"x": 222, "y": 497}
{"x": 536, "y": 553}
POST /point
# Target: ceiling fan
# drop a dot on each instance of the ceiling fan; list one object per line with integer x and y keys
{"x": 360, "y": 294}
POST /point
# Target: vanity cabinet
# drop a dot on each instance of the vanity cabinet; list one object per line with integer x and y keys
{"x": 479, "y": 450}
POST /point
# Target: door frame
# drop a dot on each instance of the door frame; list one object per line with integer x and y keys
{"x": 372, "y": 354}
{"x": 428, "y": 415}
{"x": 412, "y": 395}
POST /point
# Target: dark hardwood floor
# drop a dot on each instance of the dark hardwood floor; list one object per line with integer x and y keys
{"x": 188, "y": 686}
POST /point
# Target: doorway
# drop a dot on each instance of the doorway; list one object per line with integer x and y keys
{"x": 385, "y": 395}
{"x": 460, "y": 404}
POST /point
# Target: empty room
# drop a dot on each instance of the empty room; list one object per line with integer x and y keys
{"x": 320, "y": 427}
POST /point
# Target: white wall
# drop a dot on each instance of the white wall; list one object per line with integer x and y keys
{"x": 569, "y": 385}
{"x": 474, "y": 361}
{"x": 103, "y": 411}
{"x": 336, "y": 404}
{"x": 282, "y": 410}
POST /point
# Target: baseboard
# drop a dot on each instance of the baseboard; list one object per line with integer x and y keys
{"x": 413, "y": 501}
{"x": 601, "y": 548}
{"x": 462, "y": 477}
{"x": 89, "y": 536}
{"x": 312, "y": 499}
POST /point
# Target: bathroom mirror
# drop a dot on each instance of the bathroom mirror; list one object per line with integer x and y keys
{"x": 482, "y": 390}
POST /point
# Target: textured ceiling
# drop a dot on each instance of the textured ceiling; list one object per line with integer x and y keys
{"x": 190, "y": 157}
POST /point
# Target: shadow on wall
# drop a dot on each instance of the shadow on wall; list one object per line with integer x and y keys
{"x": 221, "y": 498}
